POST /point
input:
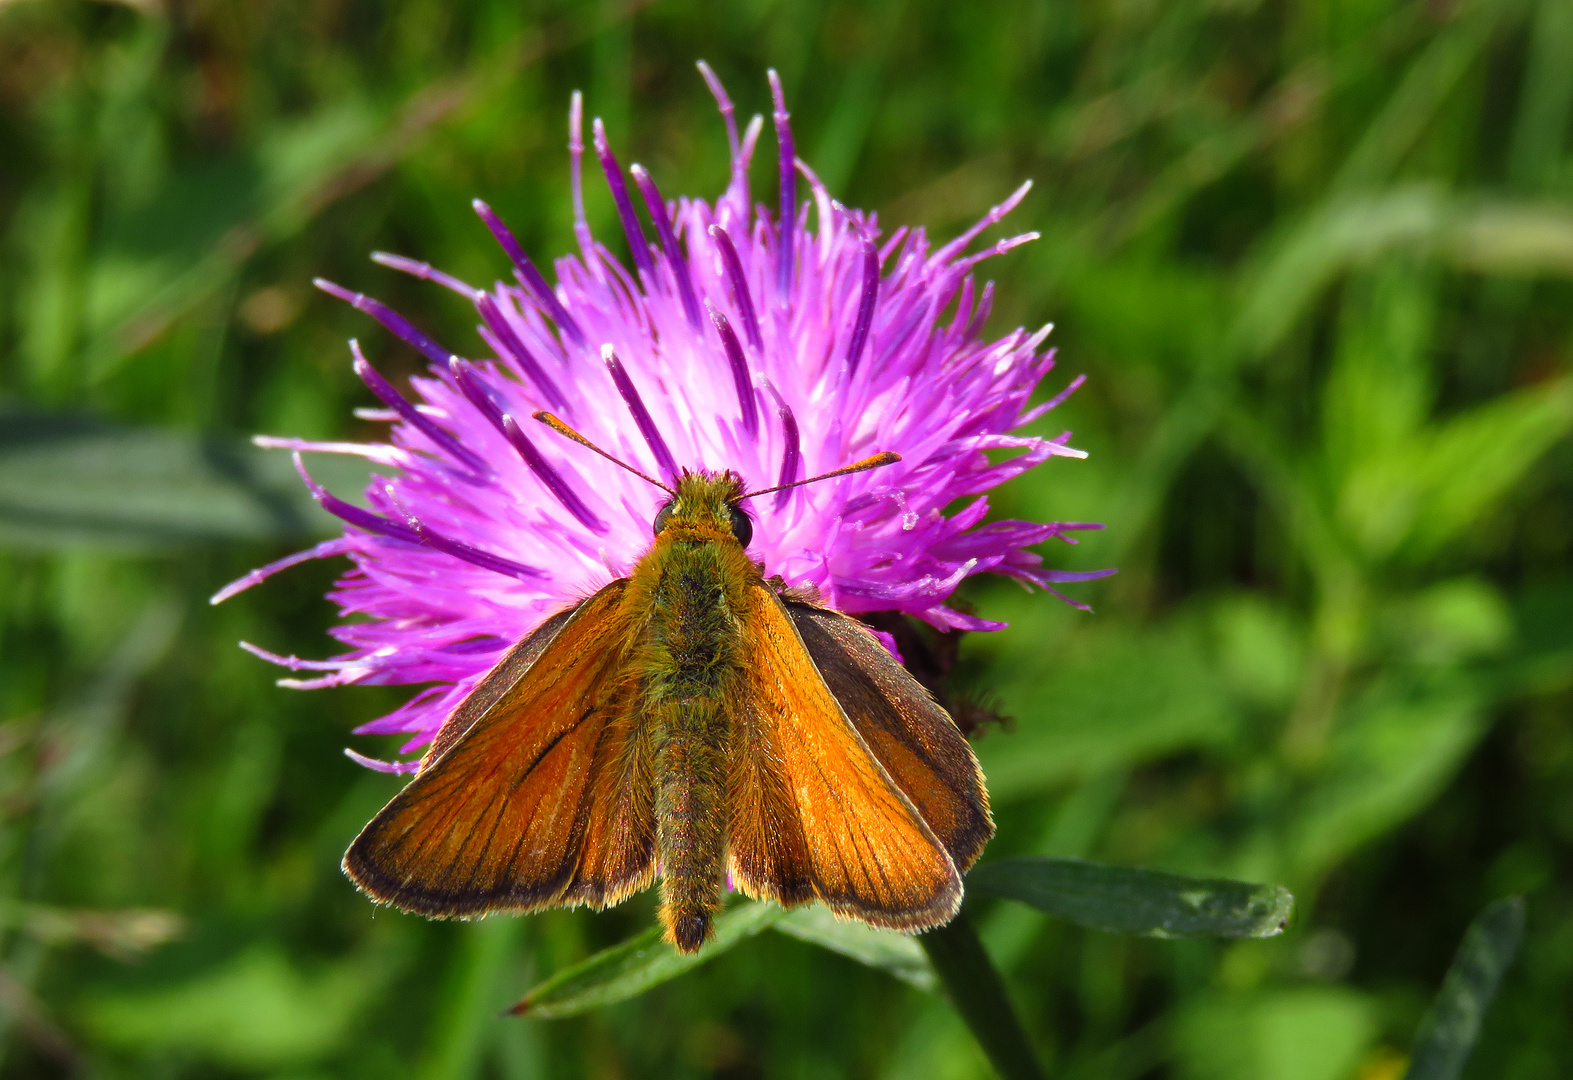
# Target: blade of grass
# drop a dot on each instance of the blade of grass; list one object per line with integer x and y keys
{"x": 460, "y": 1032}
{"x": 71, "y": 480}
{"x": 1450, "y": 1028}
{"x": 1427, "y": 84}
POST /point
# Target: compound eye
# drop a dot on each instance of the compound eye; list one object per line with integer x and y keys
{"x": 661, "y": 517}
{"x": 742, "y": 527}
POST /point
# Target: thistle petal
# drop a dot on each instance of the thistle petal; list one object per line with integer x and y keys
{"x": 477, "y": 533}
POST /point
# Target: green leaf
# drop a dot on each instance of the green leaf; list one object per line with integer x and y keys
{"x": 1128, "y": 900}
{"x": 1484, "y": 236}
{"x": 1512, "y": 238}
{"x": 1416, "y": 497}
{"x": 1305, "y": 1033}
{"x": 124, "y": 934}
{"x": 1535, "y": 150}
{"x": 1342, "y": 233}
{"x": 68, "y": 480}
{"x": 1392, "y": 751}
{"x": 887, "y": 950}
{"x": 258, "y": 1011}
{"x": 641, "y": 963}
{"x": 1098, "y": 719}
{"x": 1450, "y": 1028}
{"x": 1474, "y": 459}
{"x": 162, "y": 258}
{"x": 977, "y": 992}
{"x": 1543, "y": 660}
{"x": 1260, "y": 649}
{"x": 1429, "y": 80}
{"x": 1379, "y": 392}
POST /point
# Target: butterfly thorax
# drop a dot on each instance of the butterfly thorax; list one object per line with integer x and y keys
{"x": 695, "y": 579}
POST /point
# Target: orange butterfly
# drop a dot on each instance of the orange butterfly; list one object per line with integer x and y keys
{"x": 697, "y": 721}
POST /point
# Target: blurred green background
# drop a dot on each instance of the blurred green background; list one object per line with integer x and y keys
{"x": 1315, "y": 258}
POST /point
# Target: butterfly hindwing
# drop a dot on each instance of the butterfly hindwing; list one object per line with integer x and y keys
{"x": 617, "y": 848}
{"x": 814, "y": 815}
{"x": 905, "y": 728}
{"x": 497, "y": 817}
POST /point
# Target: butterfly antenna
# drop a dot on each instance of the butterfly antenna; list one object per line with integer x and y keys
{"x": 563, "y": 429}
{"x": 878, "y": 460}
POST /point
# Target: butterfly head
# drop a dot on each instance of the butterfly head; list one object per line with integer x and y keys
{"x": 705, "y": 507}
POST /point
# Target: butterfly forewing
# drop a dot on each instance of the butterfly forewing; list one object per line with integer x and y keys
{"x": 498, "y": 681}
{"x": 904, "y": 727}
{"x": 498, "y": 815}
{"x": 813, "y": 814}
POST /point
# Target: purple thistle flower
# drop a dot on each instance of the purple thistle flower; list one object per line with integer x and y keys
{"x": 721, "y": 349}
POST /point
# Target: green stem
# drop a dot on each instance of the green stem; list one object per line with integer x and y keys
{"x": 463, "y": 1030}
{"x": 978, "y": 994}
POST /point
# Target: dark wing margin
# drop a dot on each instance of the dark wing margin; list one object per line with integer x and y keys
{"x": 910, "y": 734}
{"x": 499, "y": 815}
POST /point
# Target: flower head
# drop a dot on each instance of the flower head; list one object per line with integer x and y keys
{"x": 778, "y": 346}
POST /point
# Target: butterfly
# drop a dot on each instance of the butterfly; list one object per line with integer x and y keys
{"x": 698, "y": 722}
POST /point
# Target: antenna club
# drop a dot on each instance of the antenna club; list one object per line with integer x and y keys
{"x": 875, "y": 461}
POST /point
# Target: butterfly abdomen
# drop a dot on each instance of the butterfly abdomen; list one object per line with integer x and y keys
{"x": 691, "y": 668}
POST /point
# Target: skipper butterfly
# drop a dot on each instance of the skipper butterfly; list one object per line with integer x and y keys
{"x": 698, "y": 722}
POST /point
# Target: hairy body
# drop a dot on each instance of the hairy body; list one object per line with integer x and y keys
{"x": 696, "y": 580}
